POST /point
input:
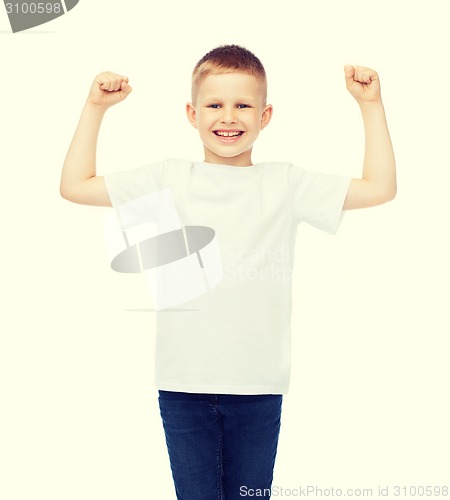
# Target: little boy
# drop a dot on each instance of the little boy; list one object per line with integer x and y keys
{"x": 222, "y": 362}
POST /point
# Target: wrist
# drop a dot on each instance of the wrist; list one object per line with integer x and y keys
{"x": 94, "y": 107}
{"x": 378, "y": 103}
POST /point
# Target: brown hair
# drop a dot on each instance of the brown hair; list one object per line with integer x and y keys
{"x": 228, "y": 59}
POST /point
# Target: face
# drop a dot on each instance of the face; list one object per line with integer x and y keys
{"x": 229, "y": 114}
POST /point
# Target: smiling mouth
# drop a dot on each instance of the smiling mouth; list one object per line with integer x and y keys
{"x": 228, "y": 135}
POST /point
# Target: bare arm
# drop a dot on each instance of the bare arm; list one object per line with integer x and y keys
{"x": 378, "y": 183}
{"x": 79, "y": 182}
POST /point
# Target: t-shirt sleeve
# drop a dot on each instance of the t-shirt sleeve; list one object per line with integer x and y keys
{"x": 129, "y": 184}
{"x": 318, "y": 198}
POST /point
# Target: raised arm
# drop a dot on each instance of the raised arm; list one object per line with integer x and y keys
{"x": 378, "y": 183}
{"x": 79, "y": 182}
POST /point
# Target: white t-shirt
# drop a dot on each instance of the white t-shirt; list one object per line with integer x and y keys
{"x": 235, "y": 339}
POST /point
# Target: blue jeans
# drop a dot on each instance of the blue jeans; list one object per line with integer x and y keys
{"x": 221, "y": 445}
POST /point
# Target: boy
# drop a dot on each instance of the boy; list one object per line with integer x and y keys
{"x": 222, "y": 364}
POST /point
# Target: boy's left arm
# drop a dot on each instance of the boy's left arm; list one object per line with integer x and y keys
{"x": 378, "y": 183}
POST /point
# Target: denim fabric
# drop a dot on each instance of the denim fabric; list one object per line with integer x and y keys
{"x": 220, "y": 445}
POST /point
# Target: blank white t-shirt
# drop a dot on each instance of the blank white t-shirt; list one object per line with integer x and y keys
{"x": 235, "y": 339}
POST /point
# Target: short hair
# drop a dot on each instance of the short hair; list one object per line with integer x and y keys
{"x": 228, "y": 59}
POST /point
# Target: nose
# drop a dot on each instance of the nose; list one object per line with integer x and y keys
{"x": 228, "y": 114}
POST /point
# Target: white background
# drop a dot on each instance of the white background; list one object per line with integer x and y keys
{"x": 368, "y": 403}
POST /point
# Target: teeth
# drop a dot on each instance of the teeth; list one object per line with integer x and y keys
{"x": 228, "y": 134}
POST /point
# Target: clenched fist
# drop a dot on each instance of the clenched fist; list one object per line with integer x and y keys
{"x": 362, "y": 83}
{"x": 108, "y": 89}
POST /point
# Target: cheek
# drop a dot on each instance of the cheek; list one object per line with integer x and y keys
{"x": 205, "y": 122}
{"x": 255, "y": 126}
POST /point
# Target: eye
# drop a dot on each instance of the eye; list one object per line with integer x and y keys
{"x": 243, "y": 106}
{"x": 214, "y": 106}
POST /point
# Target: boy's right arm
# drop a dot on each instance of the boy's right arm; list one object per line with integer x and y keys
{"x": 79, "y": 182}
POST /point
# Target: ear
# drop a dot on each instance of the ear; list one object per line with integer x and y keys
{"x": 191, "y": 114}
{"x": 266, "y": 115}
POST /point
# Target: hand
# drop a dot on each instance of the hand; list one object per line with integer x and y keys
{"x": 108, "y": 89}
{"x": 362, "y": 83}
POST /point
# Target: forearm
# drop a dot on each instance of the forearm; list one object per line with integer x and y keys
{"x": 379, "y": 161}
{"x": 80, "y": 162}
